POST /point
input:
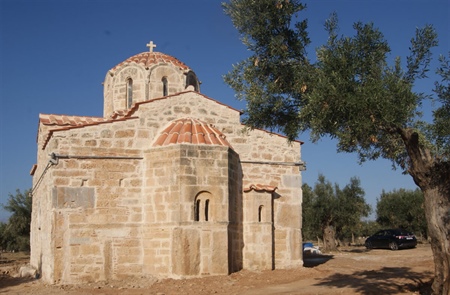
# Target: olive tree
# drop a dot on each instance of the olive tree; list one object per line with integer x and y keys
{"x": 353, "y": 94}
{"x": 329, "y": 211}
{"x": 402, "y": 209}
{"x": 15, "y": 234}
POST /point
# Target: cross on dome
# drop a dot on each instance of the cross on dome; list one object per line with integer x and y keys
{"x": 151, "y": 45}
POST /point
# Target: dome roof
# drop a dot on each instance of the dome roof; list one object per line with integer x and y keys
{"x": 148, "y": 59}
{"x": 191, "y": 131}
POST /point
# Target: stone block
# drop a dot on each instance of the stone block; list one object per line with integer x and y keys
{"x": 106, "y": 133}
{"x": 288, "y": 216}
{"x": 27, "y": 272}
{"x": 105, "y": 144}
{"x": 87, "y": 249}
{"x": 90, "y": 143}
{"x": 73, "y": 197}
{"x": 77, "y": 218}
{"x": 186, "y": 252}
{"x": 135, "y": 217}
{"x": 61, "y": 181}
{"x": 124, "y": 133}
{"x": 292, "y": 181}
{"x": 125, "y": 259}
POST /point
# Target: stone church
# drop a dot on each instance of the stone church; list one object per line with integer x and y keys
{"x": 168, "y": 183}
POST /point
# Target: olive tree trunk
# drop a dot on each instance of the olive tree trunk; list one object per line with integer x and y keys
{"x": 433, "y": 177}
{"x": 329, "y": 238}
{"x": 437, "y": 212}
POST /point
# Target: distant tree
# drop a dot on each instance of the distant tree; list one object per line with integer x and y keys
{"x": 3, "y": 237}
{"x": 368, "y": 228}
{"x": 324, "y": 206}
{"x": 310, "y": 226}
{"x": 15, "y": 234}
{"x": 402, "y": 209}
{"x": 351, "y": 208}
{"x": 353, "y": 94}
{"x": 329, "y": 211}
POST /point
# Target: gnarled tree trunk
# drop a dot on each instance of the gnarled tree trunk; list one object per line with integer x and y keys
{"x": 437, "y": 212}
{"x": 433, "y": 177}
{"x": 329, "y": 238}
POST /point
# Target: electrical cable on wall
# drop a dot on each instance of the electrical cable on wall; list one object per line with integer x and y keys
{"x": 53, "y": 161}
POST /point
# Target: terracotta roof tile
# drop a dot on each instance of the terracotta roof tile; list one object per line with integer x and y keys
{"x": 191, "y": 131}
{"x": 172, "y": 139}
{"x": 129, "y": 112}
{"x": 64, "y": 120}
{"x": 260, "y": 188}
{"x": 161, "y": 139}
{"x": 33, "y": 169}
{"x": 148, "y": 59}
{"x": 120, "y": 113}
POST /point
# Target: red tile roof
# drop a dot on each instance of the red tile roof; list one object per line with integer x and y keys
{"x": 64, "y": 120}
{"x": 33, "y": 169}
{"x": 192, "y": 131}
{"x": 128, "y": 112}
{"x": 260, "y": 188}
{"x": 148, "y": 59}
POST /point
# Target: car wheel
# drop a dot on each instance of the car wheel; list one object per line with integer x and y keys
{"x": 393, "y": 246}
{"x": 369, "y": 245}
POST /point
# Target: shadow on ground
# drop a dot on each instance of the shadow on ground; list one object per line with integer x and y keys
{"x": 315, "y": 260}
{"x": 7, "y": 282}
{"x": 355, "y": 250}
{"x": 387, "y": 280}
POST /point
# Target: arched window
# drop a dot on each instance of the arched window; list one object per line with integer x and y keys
{"x": 206, "y": 209}
{"x": 165, "y": 86}
{"x": 260, "y": 213}
{"x": 191, "y": 80}
{"x": 197, "y": 210}
{"x": 129, "y": 92}
{"x": 202, "y": 207}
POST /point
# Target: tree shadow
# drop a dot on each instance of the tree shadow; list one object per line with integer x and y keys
{"x": 387, "y": 280}
{"x": 355, "y": 250}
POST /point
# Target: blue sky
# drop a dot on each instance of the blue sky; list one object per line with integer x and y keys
{"x": 54, "y": 55}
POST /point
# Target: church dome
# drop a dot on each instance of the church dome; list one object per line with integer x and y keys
{"x": 191, "y": 131}
{"x": 145, "y": 76}
{"x": 149, "y": 59}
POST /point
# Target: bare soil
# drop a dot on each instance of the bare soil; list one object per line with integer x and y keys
{"x": 352, "y": 270}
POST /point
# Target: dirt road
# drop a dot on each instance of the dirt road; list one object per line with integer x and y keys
{"x": 349, "y": 271}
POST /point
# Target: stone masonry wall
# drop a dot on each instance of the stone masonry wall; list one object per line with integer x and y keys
{"x": 147, "y": 84}
{"x": 102, "y": 218}
{"x": 256, "y": 146}
{"x": 263, "y": 150}
{"x": 176, "y": 177}
{"x": 93, "y": 204}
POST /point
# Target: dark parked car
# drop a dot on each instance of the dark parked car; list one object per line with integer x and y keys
{"x": 393, "y": 239}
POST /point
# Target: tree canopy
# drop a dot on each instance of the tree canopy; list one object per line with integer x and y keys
{"x": 333, "y": 213}
{"x": 352, "y": 93}
{"x": 15, "y": 234}
{"x": 402, "y": 209}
